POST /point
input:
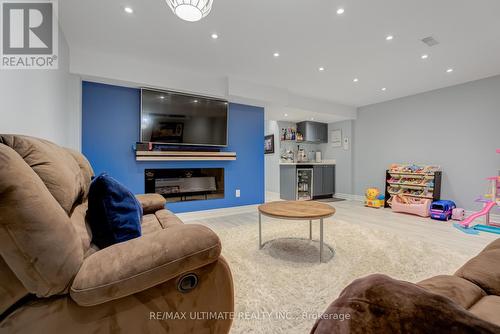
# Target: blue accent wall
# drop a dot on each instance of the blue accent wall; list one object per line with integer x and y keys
{"x": 110, "y": 126}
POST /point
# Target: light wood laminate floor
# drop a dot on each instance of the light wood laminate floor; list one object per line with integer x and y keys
{"x": 423, "y": 229}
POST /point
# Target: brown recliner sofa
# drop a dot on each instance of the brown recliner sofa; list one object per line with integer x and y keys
{"x": 466, "y": 302}
{"x": 172, "y": 279}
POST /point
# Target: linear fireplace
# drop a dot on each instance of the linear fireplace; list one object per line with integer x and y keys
{"x": 185, "y": 184}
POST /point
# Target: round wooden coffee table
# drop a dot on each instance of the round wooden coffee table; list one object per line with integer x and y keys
{"x": 297, "y": 210}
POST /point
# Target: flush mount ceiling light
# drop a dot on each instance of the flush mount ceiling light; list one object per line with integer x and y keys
{"x": 190, "y": 10}
{"x": 384, "y": 89}
{"x": 276, "y": 54}
{"x": 128, "y": 10}
{"x": 340, "y": 11}
{"x": 425, "y": 56}
{"x": 389, "y": 38}
{"x": 355, "y": 80}
{"x": 321, "y": 69}
{"x": 449, "y": 70}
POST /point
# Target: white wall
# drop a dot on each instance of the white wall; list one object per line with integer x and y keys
{"x": 42, "y": 103}
{"x": 123, "y": 69}
{"x": 272, "y": 160}
{"x": 457, "y": 128}
{"x": 343, "y": 157}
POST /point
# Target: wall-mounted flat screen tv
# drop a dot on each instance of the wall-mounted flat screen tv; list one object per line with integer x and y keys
{"x": 181, "y": 119}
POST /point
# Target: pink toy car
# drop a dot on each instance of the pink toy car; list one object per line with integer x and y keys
{"x": 458, "y": 214}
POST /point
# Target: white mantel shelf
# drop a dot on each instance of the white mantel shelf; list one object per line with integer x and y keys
{"x": 324, "y": 162}
{"x": 184, "y": 156}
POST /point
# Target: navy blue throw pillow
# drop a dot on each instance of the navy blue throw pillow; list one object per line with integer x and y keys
{"x": 114, "y": 213}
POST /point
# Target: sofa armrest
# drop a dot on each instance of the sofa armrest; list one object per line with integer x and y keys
{"x": 151, "y": 202}
{"x": 139, "y": 264}
{"x": 380, "y": 304}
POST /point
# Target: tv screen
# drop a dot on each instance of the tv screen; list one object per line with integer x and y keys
{"x": 180, "y": 119}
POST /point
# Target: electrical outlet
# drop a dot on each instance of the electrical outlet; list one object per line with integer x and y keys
{"x": 238, "y": 193}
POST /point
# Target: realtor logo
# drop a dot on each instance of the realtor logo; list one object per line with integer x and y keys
{"x": 29, "y": 37}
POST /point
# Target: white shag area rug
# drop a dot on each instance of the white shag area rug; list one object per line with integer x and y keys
{"x": 283, "y": 287}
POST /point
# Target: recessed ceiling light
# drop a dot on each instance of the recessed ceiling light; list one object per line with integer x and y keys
{"x": 128, "y": 10}
{"x": 162, "y": 97}
{"x": 425, "y": 56}
{"x": 214, "y": 36}
{"x": 384, "y": 89}
{"x": 449, "y": 70}
{"x": 286, "y": 115}
{"x": 389, "y": 38}
{"x": 276, "y": 54}
{"x": 195, "y": 101}
{"x": 321, "y": 69}
{"x": 355, "y": 79}
{"x": 340, "y": 11}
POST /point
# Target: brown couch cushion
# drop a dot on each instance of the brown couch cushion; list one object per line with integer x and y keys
{"x": 488, "y": 308}
{"x": 37, "y": 239}
{"x": 55, "y": 165}
{"x": 138, "y": 264}
{"x": 85, "y": 169}
{"x": 483, "y": 270}
{"x": 493, "y": 245}
{"x": 167, "y": 218}
{"x": 380, "y": 304}
{"x": 11, "y": 290}
{"x": 459, "y": 290}
{"x": 151, "y": 202}
{"x": 150, "y": 224}
{"x": 82, "y": 228}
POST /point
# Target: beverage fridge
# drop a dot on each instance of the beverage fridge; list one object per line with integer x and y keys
{"x": 304, "y": 184}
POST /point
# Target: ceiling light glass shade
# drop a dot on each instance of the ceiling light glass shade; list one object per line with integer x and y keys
{"x": 190, "y": 10}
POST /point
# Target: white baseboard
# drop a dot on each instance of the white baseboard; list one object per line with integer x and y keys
{"x": 213, "y": 213}
{"x": 272, "y": 196}
{"x": 350, "y": 197}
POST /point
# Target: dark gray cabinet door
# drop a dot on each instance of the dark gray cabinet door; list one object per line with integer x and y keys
{"x": 328, "y": 180}
{"x": 317, "y": 180}
{"x": 288, "y": 182}
{"x": 313, "y": 132}
{"x": 321, "y": 133}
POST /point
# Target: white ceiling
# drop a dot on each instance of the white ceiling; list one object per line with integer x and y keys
{"x": 307, "y": 34}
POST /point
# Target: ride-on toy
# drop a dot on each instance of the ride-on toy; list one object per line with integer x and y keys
{"x": 442, "y": 210}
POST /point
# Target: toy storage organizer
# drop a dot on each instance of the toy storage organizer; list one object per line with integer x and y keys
{"x": 421, "y": 182}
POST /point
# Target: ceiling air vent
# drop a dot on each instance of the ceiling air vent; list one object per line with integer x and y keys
{"x": 430, "y": 41}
